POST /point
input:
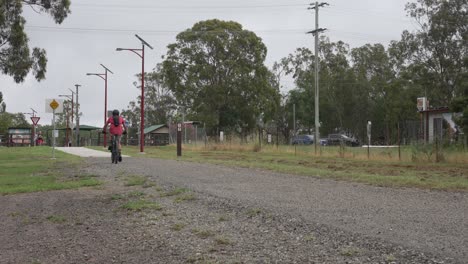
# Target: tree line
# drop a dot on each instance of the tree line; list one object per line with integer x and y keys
{"x": 215, "y": 73}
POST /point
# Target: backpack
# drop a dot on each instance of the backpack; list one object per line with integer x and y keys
{"x": 116, "y": 121}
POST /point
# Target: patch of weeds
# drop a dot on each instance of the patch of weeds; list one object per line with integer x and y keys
{"x": 167, "y": 214}
{"x": 390, "y": 258}
{"x": 220, "y": 240}
{"x": 149, "y": 184}
{"x": 135, "y": 180}
{"x": 178, "y": 226}
{"x": 309, "y": 238}
{"x": 174, "y": 192}
{"x": 117, "y": 197}
{"x": 15, "y": 214}
{"x": 254, "y": 212}
{"x": 79, "y": 223}
{"x": 349, "y": 251}
{"x": 136, "y": 194}
{"x": 58, "y": 219}
{"x": 223, "y": 218}
{"x": 141, "y": 204}
{"x": 184, "y": 197}
{"x": 203, "y": 233}
{"x": 36, "y": 261}
{"x": 158, "y": 188}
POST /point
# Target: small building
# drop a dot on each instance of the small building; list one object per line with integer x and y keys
{"x": 437, "y": 123}
{"x": 19, "y": 136}
{"x": 157, "y": 135}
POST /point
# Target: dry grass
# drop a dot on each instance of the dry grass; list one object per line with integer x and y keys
{"x": 383, "y": 168}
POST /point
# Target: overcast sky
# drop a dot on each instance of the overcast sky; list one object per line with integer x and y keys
{"x": 94, "y": 29}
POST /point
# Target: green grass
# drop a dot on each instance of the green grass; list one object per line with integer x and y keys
{"x": 184, "y": 197}
{"x": 117, "y": 197}
{"x": 253, "y": 212}
{"x": 220, "y": 240}
{"x": 136, "y": 194}
{"x": 135, "y": 180}
{"x": 178, "y": 226}
{"x": 57, "y": 219}
{"x": 140, "y": 205}
{"x": 27, "y": 169}
{"x": 382, "y": 169}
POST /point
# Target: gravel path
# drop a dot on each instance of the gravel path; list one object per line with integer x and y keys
{"x": 427, "y": 221}
{"x": 86, "y": 152}
{"x": 228, "y": 215}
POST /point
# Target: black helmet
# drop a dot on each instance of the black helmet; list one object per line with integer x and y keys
{"x": 115, "y": 112}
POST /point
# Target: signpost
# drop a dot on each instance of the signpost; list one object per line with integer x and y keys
{"x": 54, "y": 106}
{"x": 35, "y": 120}
{"x": 369, "y": 127}
{"x": 179, "y": 140}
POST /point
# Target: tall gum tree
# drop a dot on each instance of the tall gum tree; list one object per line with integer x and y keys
{"x": 217, "y": 73}
{"x": 16, "y": 58}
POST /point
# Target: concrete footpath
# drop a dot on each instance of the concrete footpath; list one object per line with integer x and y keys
{"x": 86, "y": 152}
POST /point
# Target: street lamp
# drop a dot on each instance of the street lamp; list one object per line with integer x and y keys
{"x": 104, "y": 77}
{"x": 141, "y": 54}
{"x": 68, "y": 115}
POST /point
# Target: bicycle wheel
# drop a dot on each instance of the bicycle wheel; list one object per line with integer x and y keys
{"x": 115, "y": 153}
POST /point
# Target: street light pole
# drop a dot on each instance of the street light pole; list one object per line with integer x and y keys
{"x": 141, "y": 54}
{"x": 104, "y": 77}
{"x": 77, "y": 117}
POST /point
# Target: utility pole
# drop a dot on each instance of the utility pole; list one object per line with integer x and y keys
{"x": 77, "y": 117}
{"x": 72, "y": 109}
{"x": 316, "y": 34}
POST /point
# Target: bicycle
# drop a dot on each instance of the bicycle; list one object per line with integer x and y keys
{"x": 115, "y": 154}
{"x": 114, "y": 150}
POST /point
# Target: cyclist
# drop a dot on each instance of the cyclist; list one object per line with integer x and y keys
{"x": 117, "y": 128}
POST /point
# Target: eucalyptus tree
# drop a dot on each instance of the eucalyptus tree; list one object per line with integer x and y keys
{"x": 216, "y": 71}
{"x": 16, "y": 58}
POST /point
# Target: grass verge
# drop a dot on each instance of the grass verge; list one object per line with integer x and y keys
{"x": 26, "y": 169}
{"x": 382, "y": 169}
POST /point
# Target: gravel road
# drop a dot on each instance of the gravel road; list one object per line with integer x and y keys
{"x": 432, "y": 222}
{"x": 230, "y": 215}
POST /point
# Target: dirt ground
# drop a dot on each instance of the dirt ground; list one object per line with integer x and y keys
{"x": 191, "y": 225}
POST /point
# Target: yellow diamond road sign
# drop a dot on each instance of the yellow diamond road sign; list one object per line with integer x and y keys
{"x": 54, "y": 104}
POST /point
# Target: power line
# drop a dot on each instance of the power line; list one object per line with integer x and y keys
{"x": 129, "y": 30}
{"x": 187, "y": 7}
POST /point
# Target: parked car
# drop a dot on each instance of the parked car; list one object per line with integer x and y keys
{"x": 303, "y": 140}
{"x": 324, "y": 141}
{"x": 337, "y": 139}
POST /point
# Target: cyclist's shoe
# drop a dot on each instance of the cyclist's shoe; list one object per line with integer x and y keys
{"x": 120, "y": 157}
{"x": 109, "y": 148}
